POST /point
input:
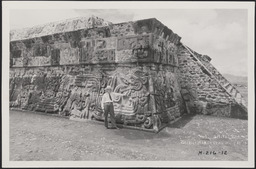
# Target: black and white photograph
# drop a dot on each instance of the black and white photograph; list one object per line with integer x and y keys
{"x": 128, "y": 84}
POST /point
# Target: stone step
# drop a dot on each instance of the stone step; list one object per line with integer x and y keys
{"x": 238, "y": 96}
{"x": 226, "y": 85}
{"x": 239, "y": 100}
{"x": 234, "y": 92}
{"x": 229, "y": 88}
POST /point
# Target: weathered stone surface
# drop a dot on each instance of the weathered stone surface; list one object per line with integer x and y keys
{"x": 77, "y": 91}
{"x": 122, "y": 29}
{"x": 58, "y": 27}
{"x": 207, "y": 82}
{"x": 68, "y": 45}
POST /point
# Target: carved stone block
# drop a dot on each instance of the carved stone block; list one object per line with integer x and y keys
{"x": 69, "y": 56}
{"x": 104, "y": 56}
{"x": 55, "y": 57}
{"x": 86, "y": 51}
{"x": 133, "y": 42}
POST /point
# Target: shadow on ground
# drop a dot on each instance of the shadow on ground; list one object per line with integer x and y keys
{"x": 140, "y": 135}
{"x": 132, "y": 134}
{"x": 182, "y": 121}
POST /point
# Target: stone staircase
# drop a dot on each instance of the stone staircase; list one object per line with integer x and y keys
{"x": 223, "y": 82}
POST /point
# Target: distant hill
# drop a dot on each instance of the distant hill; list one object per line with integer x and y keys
{"x": 236, "y": 79}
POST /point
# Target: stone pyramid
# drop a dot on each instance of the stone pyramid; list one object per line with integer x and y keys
{"x": 63, "y": 67}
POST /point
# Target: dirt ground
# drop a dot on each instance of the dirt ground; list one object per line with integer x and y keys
{"x": 38, "y": 137}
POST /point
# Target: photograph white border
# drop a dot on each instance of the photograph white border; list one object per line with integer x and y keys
{"x": 7, "y": 6}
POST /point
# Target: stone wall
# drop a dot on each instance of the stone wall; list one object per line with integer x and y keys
{"x": 140, "y": 41}
{"x": 76, "y": 91}
{"x": 168, "y": 99}
{"x": 66, "y": 73}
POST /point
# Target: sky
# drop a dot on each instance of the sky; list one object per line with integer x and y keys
{"x": 218, "y": 33}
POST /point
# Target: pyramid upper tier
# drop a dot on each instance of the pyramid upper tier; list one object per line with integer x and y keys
{"x": 150, "y": 25}
{"x": 58, "y": 27}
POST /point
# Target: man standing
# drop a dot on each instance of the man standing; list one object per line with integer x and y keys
{"x": 108, "y": 107}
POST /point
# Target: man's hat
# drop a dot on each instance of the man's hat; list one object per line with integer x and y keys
{"x": 108, "y": 88}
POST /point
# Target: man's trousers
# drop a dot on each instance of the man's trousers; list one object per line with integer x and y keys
{"x": 109, "y": 109}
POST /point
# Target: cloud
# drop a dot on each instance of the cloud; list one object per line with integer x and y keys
{"x": 218, "y": 36}
{"x": 21, "y": 18}
{"x": 112, "y": 15}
